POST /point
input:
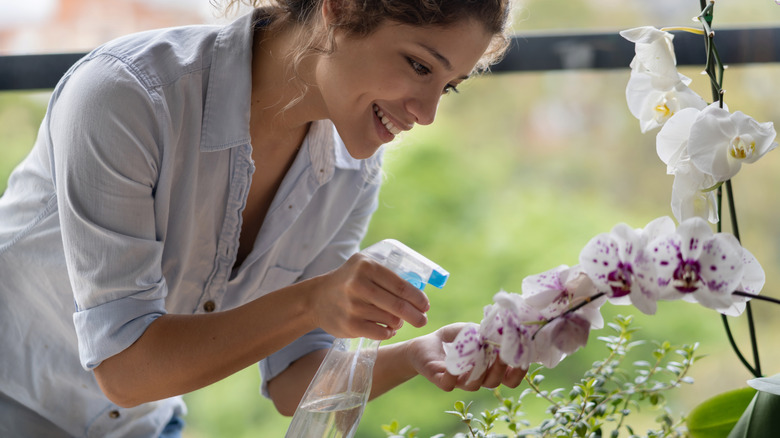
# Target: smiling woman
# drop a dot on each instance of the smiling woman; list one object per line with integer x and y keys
{"x": 200, "y": 193}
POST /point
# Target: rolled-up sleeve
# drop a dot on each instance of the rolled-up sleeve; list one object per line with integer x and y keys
{"x": 104, "y": 134}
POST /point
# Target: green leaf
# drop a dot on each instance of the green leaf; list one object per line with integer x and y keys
{"x": 760, "y": 418}
{"x": 715, "y": 417}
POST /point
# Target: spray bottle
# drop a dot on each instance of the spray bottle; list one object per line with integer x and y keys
{"x": 335, "y": 399}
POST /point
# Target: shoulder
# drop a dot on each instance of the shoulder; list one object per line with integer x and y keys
{"x": 159, "y": 57}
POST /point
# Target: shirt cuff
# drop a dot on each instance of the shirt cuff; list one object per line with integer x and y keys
{"x": 274, "y": 364}
{"x": 109, "y": 328}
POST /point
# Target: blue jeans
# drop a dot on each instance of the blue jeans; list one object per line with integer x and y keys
{"x": 173, "y": 428}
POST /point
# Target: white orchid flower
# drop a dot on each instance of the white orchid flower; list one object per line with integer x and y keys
{"x": 656, "y": 90}
{"x": 694, "y": 261}
{"x": 671, "y": 143}
{"x": 619, "y": 266}
{"x": 692, "y": 195}
{"x": 691, "y": 191}
{"x": 654, "y": 55}
{"x": 652, "y": 106}
{"x": 721, "y": 141}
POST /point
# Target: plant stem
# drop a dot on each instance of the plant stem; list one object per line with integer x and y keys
{"x": 756, "y": 369}
{"x": 740, "y": 293}
{"x": 714, "y": 62}
{"x": 734, "y": 346}
{"x": 753, "y": 340}
{"x": 539, "y": 392}
{"x": 732, "y": 210}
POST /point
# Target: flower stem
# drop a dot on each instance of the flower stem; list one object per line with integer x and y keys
{"x": 756, "y": 370}
{"x": 734, "y": 346}
{"x": 753, "y": 340}
{"x": 715, "y": 69}
{"x": 740, "y": 293}
{"x": 585, "y": 301}
{"x": 695, "y": 30}
{"x": 732, "y": 210}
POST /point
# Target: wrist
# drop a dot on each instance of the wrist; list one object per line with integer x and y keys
{"x": 410, "y": 353}
{"x": 306, "y": 297}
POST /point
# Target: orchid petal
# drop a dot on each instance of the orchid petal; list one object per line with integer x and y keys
{"x": 465, "y": 352}
{"x": 690, "y": 197}
{"x": 672, "y": 141}
{"x": 569, "y": 332}
{"x": 721, "y": 141}
{"x": 753, "y": 279}
{"x": 654, "y": 106}
{"x": 654, "y": 51}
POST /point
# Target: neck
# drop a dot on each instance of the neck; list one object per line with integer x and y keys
{"x": 282, "y": 105}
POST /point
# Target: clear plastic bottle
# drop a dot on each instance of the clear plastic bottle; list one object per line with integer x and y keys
{"x": 334, "y": 401}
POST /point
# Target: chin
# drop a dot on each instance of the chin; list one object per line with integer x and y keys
{"x": 363, "y": 151}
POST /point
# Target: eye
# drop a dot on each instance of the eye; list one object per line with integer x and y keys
{"x": 417, "y": 67}
{"x": 449, "y": 87}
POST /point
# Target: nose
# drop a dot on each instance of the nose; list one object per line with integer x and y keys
{"x": 423, "y": 106}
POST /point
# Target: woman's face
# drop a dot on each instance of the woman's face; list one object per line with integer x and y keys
{"x": 374, "y": 87}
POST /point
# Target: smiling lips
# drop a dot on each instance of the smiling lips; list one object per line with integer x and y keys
{"x": 386, "y": 122}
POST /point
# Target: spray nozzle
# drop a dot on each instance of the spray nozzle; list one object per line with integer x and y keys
{"x": 407, "y": 263}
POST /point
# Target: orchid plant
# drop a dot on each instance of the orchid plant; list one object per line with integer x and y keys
{"x": 704, "y": 146}
{"x": 556, "y": 310}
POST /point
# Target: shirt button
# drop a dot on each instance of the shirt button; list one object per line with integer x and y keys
{"x": 209, "y": 306}
{"x": 113, "y": 414}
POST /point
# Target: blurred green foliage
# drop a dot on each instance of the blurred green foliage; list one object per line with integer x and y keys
{"x": 516, "y": 175}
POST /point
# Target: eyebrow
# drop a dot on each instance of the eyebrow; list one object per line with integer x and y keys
{"x": 444, "y": 61}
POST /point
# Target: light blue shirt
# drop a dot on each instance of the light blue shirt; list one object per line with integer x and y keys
{"x": 129, "y": 207}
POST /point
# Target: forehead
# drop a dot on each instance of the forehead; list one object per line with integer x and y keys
{"x": 458, "y": 45}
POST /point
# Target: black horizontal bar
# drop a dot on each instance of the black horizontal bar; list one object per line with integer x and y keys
{"x": 531, "y": 52}
{"x": 31, "y": 72}
{"x": 540, "y": 52}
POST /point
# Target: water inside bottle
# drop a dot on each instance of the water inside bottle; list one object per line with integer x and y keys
{"x": 335, "y": 416}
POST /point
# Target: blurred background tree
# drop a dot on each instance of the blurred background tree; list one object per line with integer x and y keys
{"x": 519, "y": 171}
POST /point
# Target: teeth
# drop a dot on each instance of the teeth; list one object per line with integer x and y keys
{"x": 385, "y": 121}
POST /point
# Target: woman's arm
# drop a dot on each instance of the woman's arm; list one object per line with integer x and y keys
{"x": 181, "y": 353}
{"x": 395, "y": 364}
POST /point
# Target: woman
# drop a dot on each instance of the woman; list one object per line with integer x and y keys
{"x": 194, "y": 203}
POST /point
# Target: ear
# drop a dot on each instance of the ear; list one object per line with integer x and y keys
{"x": 331, "y": 12}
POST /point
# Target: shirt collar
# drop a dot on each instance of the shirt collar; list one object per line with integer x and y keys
{"x": 328, "y": 152}
{"x": 226, "y": 110}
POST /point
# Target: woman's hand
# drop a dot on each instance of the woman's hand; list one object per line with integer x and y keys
{"x": 426, "y": 355}
{"x": 362, "y": 298}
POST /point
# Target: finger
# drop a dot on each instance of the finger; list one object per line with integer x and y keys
{"x": 376, "y": 315}
{"x": 444, "y": 381}
{"x": 513, "y": 377}
{"x": 389, "y": 280}
{"x": 372, "y": 330}
{"x": 467, "y": 384}
{"x": 392, "y": 304}
{"x": 495, "y": 375}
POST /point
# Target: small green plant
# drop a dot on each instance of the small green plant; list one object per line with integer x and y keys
{"x": 598, "y": 405}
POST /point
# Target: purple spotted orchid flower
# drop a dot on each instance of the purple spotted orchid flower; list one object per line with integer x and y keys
{"x": 470, "y": 351}
{"x": 698, "y": 265}
{"x": 620, "y": 267}
{"x": 542, "y": 325}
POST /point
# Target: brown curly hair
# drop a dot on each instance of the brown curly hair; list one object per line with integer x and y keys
{"x": 359, "y": 18}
